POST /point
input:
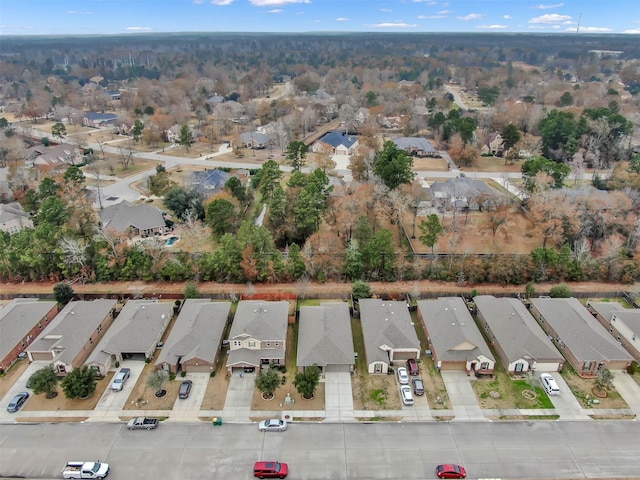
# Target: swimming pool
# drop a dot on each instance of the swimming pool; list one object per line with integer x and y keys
{"x": 171, "y": 241}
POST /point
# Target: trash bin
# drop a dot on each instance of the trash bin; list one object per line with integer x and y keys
{"x": 217, "y": 421}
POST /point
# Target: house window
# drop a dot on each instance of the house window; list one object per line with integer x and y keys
{"x": 252, "y": 344}
{"x": 586, "y": 366}
{"x": 378, "y": 368}
{"x": 99, "y": 328}
{"x": 519, "y": 367}
{"x": 634, "y": 338}
{"x": 276, "y": 344}
{"x": 39, "y": 324}
{"x": 268, "y": 344}
{"x": 237, "y": 343}
{"x": 484, "y": 366}
{"x": 610, "y": 329}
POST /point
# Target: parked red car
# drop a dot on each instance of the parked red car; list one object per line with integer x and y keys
{"x": 270, "y": 470}
{"x": 451, "y": 471}
{"x": 412, "y": 366}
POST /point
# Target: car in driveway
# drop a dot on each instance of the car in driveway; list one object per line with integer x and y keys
{"x": 403, "y": 376}
{"x": 450, "y": 470}
{"x": 17, "y": 401}
{"x": 549, "y": 384}
{"x": 418, "y": 385}
{"x": 412, "y": 366}
{"x": 407, "y": 396}
{"x": 272, "y": 425}
{"x": 185, "y": 389}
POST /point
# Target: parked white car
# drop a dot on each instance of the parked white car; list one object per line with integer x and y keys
{"x": 407, "y": 396}
{"x": 403, "y": 376}
{"x": 272, "y": 425}
{"x": 549, "y": 384}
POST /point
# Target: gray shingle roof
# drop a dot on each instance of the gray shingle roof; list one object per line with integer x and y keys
{"x": 631, "y": 318}
{"x": 72, "y": 328}
{"x": 414, "y": 143}
{"x": 18, "y": 318}
{"x": 324, "y": 335}
{"x": 386, "y": 323}
{"x": 262, "y": 320}
{"x": 454, "y": 335}
{"x": 579, "y": 330}
{"x": 135, "y": 330}
{"x": 515, "y": 329}
{"x": 337, "y": 138}
{"x": 196, "y": 333}
{"x": 605, "y": 309}
{"x": 124, "y": 215}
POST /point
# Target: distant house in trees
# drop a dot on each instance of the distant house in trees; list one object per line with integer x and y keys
{"x": 145, "y": 220}
{"x": 114, "y": 94}
{"x": 13, "y": 218}
{"x": 173, "y": 134}
{"x": 254, "y": 140}
{"x": 215, "y": 99}
{"x": 338, "y": 143}
{"x": 492, "y": 145}
{"x": 416, "y": 146}
{"x": 465, "y": 193}
{"x": 99, "y": 120}
{"x": 55, "y": 157}
{"x": 209, "y": 182}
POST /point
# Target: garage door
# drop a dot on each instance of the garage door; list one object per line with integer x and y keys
{"x": 337, "y": 368}
{"x": 41, "y": 356}
{"x": 197, "y": 368}
{"x": 547, "y": 367}
{"x": 399, "y": 357}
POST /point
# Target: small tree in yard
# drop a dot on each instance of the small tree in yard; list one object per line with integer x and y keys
{"x": 306, "y": 382}
{"x": 44, "y": 381}
{"x": 560, "y": 291}
{"x": 268, "y": 382}
{"x": 604, "y": 380}
{"x": 80, "y": 383}
{"x": 156, "y": 380}
{"x": 63, "y": 293}
{"x": 361, "y": 289}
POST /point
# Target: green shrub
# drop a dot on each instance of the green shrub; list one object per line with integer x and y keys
{"x": 632, "y": 368}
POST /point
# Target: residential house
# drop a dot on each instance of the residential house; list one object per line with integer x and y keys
{"x": 13, "y": 218}
{"x": 53, "y": 157}
{"x": 338, "y": 143}
{"x": 389, "y": 334}
{"x": 145, "y": 220}
{"x": 209, "y": 182}
{"x": 454, "y": 339}
{"x": 114, "y": 94}
{"x": 258, "y": 334}
{"x": 254, "y": 140}
{"x": 196, "y": 337}
{"x": 215, "y": 99}
{"x": 623, "y": 324}
{"x": 99, "y": 120}
{"x": 173, "y": 134}
{"x": 324, "y": 338}
{"x": 21, "y": 321}
{"x": 71, "y": 336}
{"x": 582, "y": 340}
{"x": 465, "y": 193}
{"x": 416, "y": 146}
{"x": 516, "y": 336}
{"x": 134, "y": 333}
{"x": 492, "y": 144}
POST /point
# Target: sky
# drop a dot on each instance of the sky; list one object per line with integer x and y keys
{"x": 73, "y": 17}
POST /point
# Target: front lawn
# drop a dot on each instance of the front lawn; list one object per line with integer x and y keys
{"x": 502, "y": 391}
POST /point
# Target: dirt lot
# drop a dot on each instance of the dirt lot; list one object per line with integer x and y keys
{"x": 375, "y": 392}
{"x": 60, "y": 402}
{"x": 435, "y": 389}
{"x": 277, "y": 402}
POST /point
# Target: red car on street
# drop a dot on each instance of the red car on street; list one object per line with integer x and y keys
{"x": 451, "y": 471}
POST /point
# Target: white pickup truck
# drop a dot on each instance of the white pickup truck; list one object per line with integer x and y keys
{"x": 85, "y": 470}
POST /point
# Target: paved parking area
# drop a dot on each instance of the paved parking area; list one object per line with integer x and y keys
{"x": 111, "y": 403}
{"x": 338, "y": 396}
{"x": 566, "y": 404}
{"x": 188, "y": 408}
{"x": 463, "y": 400}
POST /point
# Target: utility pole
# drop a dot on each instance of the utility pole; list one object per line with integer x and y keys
{"x": 579, "y": 20}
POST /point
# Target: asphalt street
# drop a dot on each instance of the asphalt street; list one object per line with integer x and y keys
{"x": 377, "y": 450}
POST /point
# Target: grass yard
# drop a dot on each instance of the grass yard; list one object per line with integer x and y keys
{"x": 375, "y": 392}
{"x": 504, "y": 392}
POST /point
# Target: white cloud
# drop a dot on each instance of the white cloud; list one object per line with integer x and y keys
{"x": 431, "y": 3}
{"x": 275, "y": 3}
{"x": 138, "y": 29}
{"x": 444, "y": 12}
{"x": 342, "y": 19}
{"x": 590, "y": 29}
{"x": 275, "y": 10}
{"x": 506, "y": 17}
{"x": 551, "y": 18}
{"x": 220, "y": 3}
{"x": 492, "y": 27}
{"x": 542, "y": 27}
{"x": 471, "y": 16}
{"x": 431, "y": 17}
{"x": 75, "y": 12}
{"x": 633, "y": 30}
{"x": 386, "y": 10}
{"x": 391, "y": 25}
{"x": 547, "y": 7}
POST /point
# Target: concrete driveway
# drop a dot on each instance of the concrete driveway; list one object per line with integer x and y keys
{"x": 565, "y": 404}
{"x": 338, "y": 396}
{"x": 188, "y": 408}
{"x": 19, "y": 386}
{"x": 628, "y": 389}
{"x": 463, "y": 399}
{"x": 112, "y": 403}
{"x": 237, "y": 406}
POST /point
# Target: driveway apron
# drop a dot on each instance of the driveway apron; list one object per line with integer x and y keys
{"x": 463, "y": 400}
{"x": 338, "y": 397}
